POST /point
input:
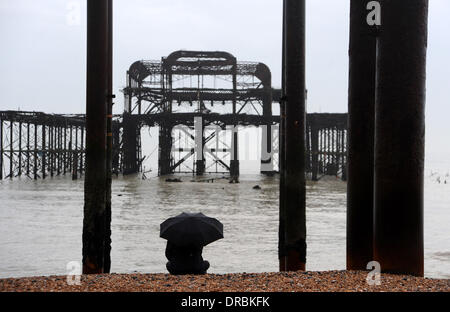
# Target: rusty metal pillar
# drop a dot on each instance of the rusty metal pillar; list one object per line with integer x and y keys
{"x": 400, "y": 137}
{"x": 74, "y": 165}
{"x": 116, "y": 148}
{"x": 295, "y": 136}
{"x": 361, "y": 118}
{"x": 234, "y": 162}
{"x": 314, "y": 151}
{"x": 96, "y": 102}
{"x": 282, "y": 153}
{"x": 267, "y": 132}
{"x": 65, "y": 149}
{"x": 82, "y": 151}
{"x": 44, "y": 152}
{"x": 1, "y": 149}
{"x": 199, "y": 145}
{"x": 28, "y": 149}
{"x": 130, "y": 143}
{"x": 109, "y": 142}
{"x": 20, "y": 149}
{"x": 11, "y": 149}
{"x": 165, "y": 148}
{"x": 35, "y": 152}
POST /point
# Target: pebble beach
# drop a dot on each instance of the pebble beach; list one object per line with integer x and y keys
{"x": 329, "y": 281}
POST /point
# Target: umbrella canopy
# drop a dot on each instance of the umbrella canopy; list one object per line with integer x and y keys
{"x": 191, "y": 229}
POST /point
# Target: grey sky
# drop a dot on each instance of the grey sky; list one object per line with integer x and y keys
{"x": 43, "y": 58}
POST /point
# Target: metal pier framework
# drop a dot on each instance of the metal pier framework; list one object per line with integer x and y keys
{"x": 198, "y": 100}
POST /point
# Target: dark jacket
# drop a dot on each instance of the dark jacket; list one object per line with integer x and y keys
{"x": 185, "y": 260}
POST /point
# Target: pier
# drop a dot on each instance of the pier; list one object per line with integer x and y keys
{"x": 173, "y": 94}
{"x": 39, "y": 145}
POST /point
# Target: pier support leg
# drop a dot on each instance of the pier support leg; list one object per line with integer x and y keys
{"x": 361, "y": 108}
{"x": 266, "y": 150}
{"x": 314, "y": 152}
{"x": 74, "y": 166}
{"x": 1, "y": 149}
{"x": 130, "y": 143}
{"x": 96, "y": 100}
{"x": 400, "y": 137}
{"x": 165, "y": 149}
{"x": 282, "y": 154}
{"x": 234, "y": 162}
{"x": 199, "y": 142}
{"x": 266, "y": 146}
{"x": 295, "y": 136}
{"x": 109, "y": 142}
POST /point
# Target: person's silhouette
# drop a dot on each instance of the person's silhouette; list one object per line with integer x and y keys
{"x": 185, "y": 259}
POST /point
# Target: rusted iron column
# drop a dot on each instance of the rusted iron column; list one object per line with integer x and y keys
{"x": 74, "y": 166}
{"x": 361, "y": 117}
{"x": 234, "y": 162}
{"x": 344, "y": 155}
{"x": 109, "y": 142}
{"x": 282, "y": 152}
{"x": 295, "y": 136}
{"x": 11, "y": 149}
{"x": 82, "y": 150}
{"x": 35, "y": 154}
{"x": 314, "y": 151}
{"x": 96, "y": 99}
{"x": 65, "y": 150}
{"x": 44, "y": 153}
{"x": 130, "y": 141}
{"x": 266, "y": 144}
{"x": 199, "y": 130}
{"x": 28, "y": 149}
{"x": 52, "y": 149}
{"x": 20, "y": 149}
{"x": 165, "y": 148}
{"x": 400, "y": 137}
{"x": 1, "y": 149}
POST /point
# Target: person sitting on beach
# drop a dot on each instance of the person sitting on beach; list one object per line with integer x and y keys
{"x": 185, "y": 260}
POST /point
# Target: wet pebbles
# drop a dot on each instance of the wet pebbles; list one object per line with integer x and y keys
{"x": 330, "y": 281}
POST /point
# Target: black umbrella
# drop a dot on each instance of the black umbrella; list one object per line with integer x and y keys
{"x": 191, "y": 229}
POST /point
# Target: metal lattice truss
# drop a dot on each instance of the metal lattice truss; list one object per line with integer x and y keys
{"x": 180, "y": 80}
{"x": 37, "y": 145}
{"x": 189, "y": 84}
